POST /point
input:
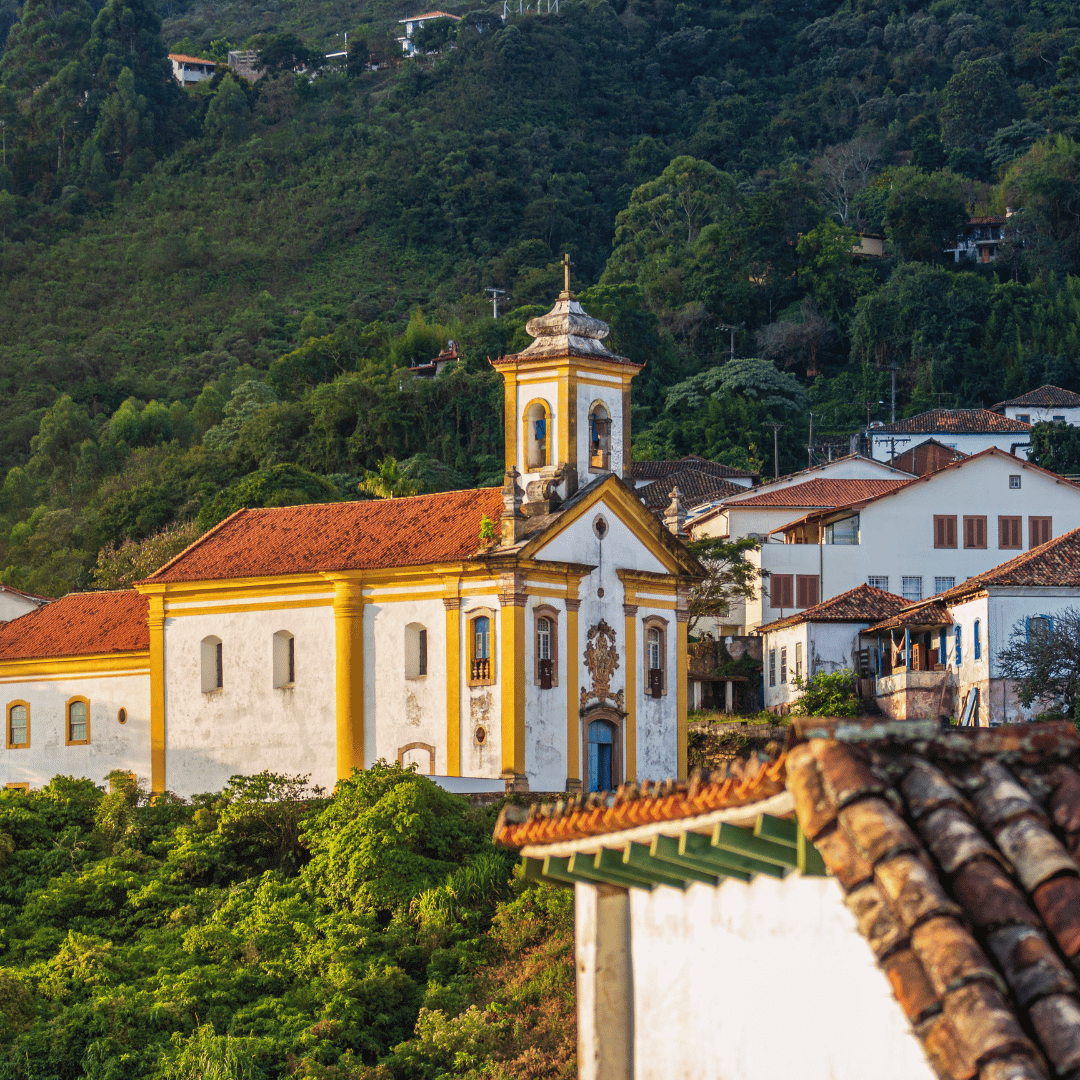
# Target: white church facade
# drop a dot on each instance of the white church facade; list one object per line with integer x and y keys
{"x": 528, "y": 638}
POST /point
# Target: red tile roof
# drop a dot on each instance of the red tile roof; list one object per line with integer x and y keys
{"x": 80, "y": 624}
{"x": 695, "y": 488}
{"x": 1056, "y": 562}
{"x": 957, "y": 854}
{"x": 366, "y": 535}
{"x": 191, "y": 59}
{"x": 954, "y": 422}
{"x": 656, "y": 470}
{"x": 822, "y": 493}
{"x": 1045, "y": 397}
{"x": 739, "y": 783}
{"x": 924, "y": 613}
{"x": 864, "y": 603}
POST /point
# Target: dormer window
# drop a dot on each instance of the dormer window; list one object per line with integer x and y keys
{"x": 599, "y": 438}
{"x": 537, "y": 435}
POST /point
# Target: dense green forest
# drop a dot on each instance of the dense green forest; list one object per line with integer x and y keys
{"x": 210, "y": 295}
{"x": 268, "y": 930}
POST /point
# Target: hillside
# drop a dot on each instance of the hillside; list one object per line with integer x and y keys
{"x": 210, "y": 293}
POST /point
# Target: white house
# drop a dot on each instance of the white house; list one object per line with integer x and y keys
{"x": 191, "y": 69}
{"x": 1048, "y": 404}
{"x": 412, "y": 23}
{"x": 969, "y": 430}
{"x": 521, "y": 639}
{"x": 884, "y": 900}
{"x": 917, "y": 539}
{"x": 14, "y": 602}
{"x": 823, "y": 638}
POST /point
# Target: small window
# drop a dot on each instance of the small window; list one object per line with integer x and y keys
{"x": 1014, "y": 482}
{"x": 943, "y": 649}
{"x": 18, "y": 725}
{"x": 782, "y": 590}
{"x": 1040, "y": 531}
{"x": 783, "y": 666}
{"x": 1059, "y": 419}
{"x": 480, "y": 650}
{"x": 537, "y": 435}
{"x": 806, "y": 590}
{"x": 798, "y": 660}
{"x": 878, "y": 583}
{"x": 844, "y": 531}
{"x": 212, "y": 670}
{"x": 943, "y": 584}
{"x": 976, "y": 641}
{"x": 78, "y": 721}
{"x": 1024, "y": 418}
{"x": 655, "y": 656}
{"x": 1038, "y": 628}
{"x": 546, "y": 647}
{"x": 944, "y": 530}
{"x": 284, "y": 659}
{"x": 959, "y": 648}
{"x": 415, "y": 651}
{"x": 1010, "y": 530}
{"x": 772, "y": 667}
{"x": 912, "y": 588}
{"x": 974, "y": 531}
{"x": 599, "y": 438}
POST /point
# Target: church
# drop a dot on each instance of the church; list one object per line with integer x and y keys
{"x": 531, "y": 637}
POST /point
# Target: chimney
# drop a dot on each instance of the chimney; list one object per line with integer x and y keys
{"x": 675, "y": 516}
{"x": 511, "y": 516}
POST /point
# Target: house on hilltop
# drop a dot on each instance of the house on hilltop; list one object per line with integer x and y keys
{"x": 412, "y": 23}
{"x": 967, "y": 430}
{"x": 529, "y": 637}
{"x": 1047, "y": 404}
{"x": 979, "y": 239}
{"x": 191, "y": 69}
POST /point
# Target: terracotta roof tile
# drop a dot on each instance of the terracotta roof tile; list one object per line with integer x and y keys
{"x": 80, "y": 624}
{"x": 864, "y": 603}
{"x": 982, "y": 838}
{"x": 954, "y": 422}
{"x": 923, "y": 613}
{"x": 821, "y": 494}
{"x": 338, "y": 536}
{"x": 695, "y": 488}
{"x": 1056, "y": 562}
{"x": 191, "y": 59}
{"x": 1045, "y": 397}
{"x": 657, "y": 470}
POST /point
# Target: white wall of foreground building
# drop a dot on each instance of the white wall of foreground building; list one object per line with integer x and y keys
{"x": 112, "y": 745}
{"x": 826, "y": 647}
{"x": 249, "y": 725}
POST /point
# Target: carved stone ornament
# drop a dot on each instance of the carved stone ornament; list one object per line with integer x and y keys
{"x": 602, "y": 660}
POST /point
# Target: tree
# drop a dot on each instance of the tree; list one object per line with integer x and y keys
{"x": 279, "y": 485}
{"x": 827, "y": 694}
{"x": 843, "y": 171}
{"x": 750, "y": 377}
{"x": 925, "y": 213}
{"x": 119, "y": 567}
{"x": 1044, "y": 663}
{"x": 1056, "y": 447}
{"x": 731, "y": 577}
{"x": 829, "y": 271}
{"x": 286, "y": 52}
{"x": 228, "y": 113}
{"x": 977, "y": 101}
{"x": 389, "y": 482}
{"x": 358, "y": 58}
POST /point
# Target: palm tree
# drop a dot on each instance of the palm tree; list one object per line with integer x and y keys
{"x": 389, "y": 481}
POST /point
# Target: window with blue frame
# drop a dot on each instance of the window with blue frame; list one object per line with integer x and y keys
{"x": 943, "y": 649}
{"x": 976, "y": 643}
{"x": 959, "y": 649}
{"x": 601, "y": 756}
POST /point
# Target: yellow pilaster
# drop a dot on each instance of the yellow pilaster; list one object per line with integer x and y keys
{"x": 573, "y": 711}
{"x": 453, "y": 678}
{"x": 627, "y": 459}
{"x": 681, "y": 623}
{"x": 510, "y": 418}
{"x": 349, "y": 673}
{"x": 511, "y": 676}
{"x": 156, "y": 626}
{"x": 567, "y": 418}
{"x": 630, "y": 661}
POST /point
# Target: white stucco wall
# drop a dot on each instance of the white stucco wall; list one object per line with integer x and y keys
{"x": 1038, "y": 415}
{"x": 249, "y": 725}
{"x": 590, "y": 389}
{"x": 12, "y": 605}
{"x": 897, "y": 532}
{"x": 766, "y": 981}
{"x": 827, "y": 647}
{"x": 482, "y": 705}
{"x": 527, "y": 391}
{"x": 112, "y": 745}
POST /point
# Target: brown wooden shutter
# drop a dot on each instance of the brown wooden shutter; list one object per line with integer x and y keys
{"x": 974, "y": 532}
{"x": 782, "y": 591}
{"x": 944, "y": 530}
{"x": 806, "y": 590}
{"x": 1010, "y": 532}
{"x": 1040, "y": 530}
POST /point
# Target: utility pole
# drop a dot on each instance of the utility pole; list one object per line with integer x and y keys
{"x": 776, "y": 447}
{"x": 892, "y": 411}
{"x": 495, "y": 294}
{"x": 728, "y": 326}
{"x": 810, "y": 445}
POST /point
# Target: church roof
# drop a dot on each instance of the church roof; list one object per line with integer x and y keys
{"x": 366, "y": 535}
{"x": 696, "y": 487}
{"x": 79, "y": 624}
{"x": 658, "y": 470}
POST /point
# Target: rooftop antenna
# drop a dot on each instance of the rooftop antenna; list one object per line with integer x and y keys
{"x": 495, "y": 294}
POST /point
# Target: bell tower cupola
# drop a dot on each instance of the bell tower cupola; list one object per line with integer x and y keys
{"x": 566, "y": 405}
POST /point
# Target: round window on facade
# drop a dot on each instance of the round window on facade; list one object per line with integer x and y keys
{"x": 480, "y": 734}
{"x": 121, "y": 716}
{"x": 600, "y": 526}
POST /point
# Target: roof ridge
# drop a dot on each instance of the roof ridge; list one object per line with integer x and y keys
{"x": 195, "y": 543}
{"x": 973, "y": 584}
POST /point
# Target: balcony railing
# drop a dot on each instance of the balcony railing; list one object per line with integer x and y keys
{"x": 480, "y": 670}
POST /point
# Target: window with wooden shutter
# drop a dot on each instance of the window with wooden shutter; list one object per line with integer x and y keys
{"x": 944, "y": 530}
{"x": 806, "y": 590}
{"x": 782, "y": 591}
{"x": 1010, "y": 532}
{"x": 1040, "y": 531}
{"x": 974, "y": 531}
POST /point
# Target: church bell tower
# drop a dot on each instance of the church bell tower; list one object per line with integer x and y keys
{"x": 566, "y": 407}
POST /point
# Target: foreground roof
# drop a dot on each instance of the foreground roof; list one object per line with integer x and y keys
{"x": 957, "y": 855}
{"x": 822, "y": 493}
{"x": 923, "y": 613}
{"x": 368, "y": 535}
{"x": 80, "y": 624}
{"x": 954, "y": 422}
{"x": 864, "y": 603}
{"x": 1045, "y": 397}
{"x": 1055, "y": 563}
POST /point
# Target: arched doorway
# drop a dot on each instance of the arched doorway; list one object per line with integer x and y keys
{"x": 603, "y": 749}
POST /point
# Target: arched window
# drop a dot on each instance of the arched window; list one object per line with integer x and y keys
{"x": 415, "y": 651}
{"x": 655, "y": 656}
{"x": 78, "y": 721}
{"x": 481, "y": 647}
{"x": 976, "y": 644}
{"x": 602, "y": 754}
{"x": 18, "y": 725}
{"x": 546, "y": 626}
{"x": 537, "y": 435}
{"x": 284, "y": 659}
{"x": 212, "y": 670}
{"x": 599, "y": 437}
